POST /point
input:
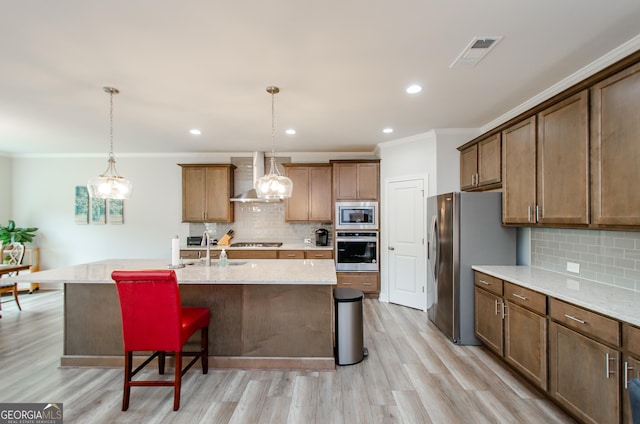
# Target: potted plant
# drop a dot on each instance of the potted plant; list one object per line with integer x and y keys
{"x": 13, "y": 234}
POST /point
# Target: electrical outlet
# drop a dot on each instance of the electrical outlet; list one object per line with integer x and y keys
{"x": 573, "y": 267}
{"x": 307, "y": 241}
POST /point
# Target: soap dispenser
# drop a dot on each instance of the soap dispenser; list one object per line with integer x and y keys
{"x": 222, "y": 261}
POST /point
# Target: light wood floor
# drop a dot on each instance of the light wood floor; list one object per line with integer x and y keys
{"x": 412, "y": 375}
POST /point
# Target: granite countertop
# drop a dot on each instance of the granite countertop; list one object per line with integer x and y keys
{"x": 285, "y": 246}
{"x": 615, "y": 302}
{"x": 250, "y": 271}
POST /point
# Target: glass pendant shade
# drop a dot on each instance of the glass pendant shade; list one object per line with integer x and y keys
{"x": 110, "y": 185}
{"x": 273, "y": 186}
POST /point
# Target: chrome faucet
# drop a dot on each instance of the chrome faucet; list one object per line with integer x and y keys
{"x": 207, "y": 241}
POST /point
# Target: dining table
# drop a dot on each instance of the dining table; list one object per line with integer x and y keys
{"x": 9, "y": 269}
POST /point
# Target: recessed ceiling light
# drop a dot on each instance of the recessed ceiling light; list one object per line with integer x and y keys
{"x": 387, "y": 130}
{"x": 413, "y": 89}
{"x": 290, "y": 131}
{"x": 195, "y": 131}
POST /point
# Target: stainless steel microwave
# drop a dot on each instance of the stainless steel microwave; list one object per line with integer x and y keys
{"x": 356, "y": 216}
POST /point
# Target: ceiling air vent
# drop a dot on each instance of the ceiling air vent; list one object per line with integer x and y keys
{"x": 475, "y": 51}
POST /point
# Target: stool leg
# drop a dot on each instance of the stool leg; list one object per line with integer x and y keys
{"x": 204, "y": 349}
{"x": 177, "y": 382}
{"x": 128, "y": 359}
{"x": 161, "y": 358}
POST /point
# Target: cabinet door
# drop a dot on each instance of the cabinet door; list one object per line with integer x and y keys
{"x": 615, "y": 150}
{"x": 488, "y": 316}
{"x": 519, "y": 173}
{"x": 193, "y": 201}
{"x": 468, "y": 167}
{"x": 297, "y": 206}
{"x": 345, "y": 181}
{"x": 630, "y": 369}
{"x": 218, "y": 191}
{"x": 563, "y": 162}
{"x": 489, "y": 161}
{"x": 320, "y": 205}
{"x": 584, "y": 376}
{"x": 526, "y": 343}
{"x": 368, "y": 181}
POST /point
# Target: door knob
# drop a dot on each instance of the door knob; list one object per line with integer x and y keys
{"x": 391, "y": 248}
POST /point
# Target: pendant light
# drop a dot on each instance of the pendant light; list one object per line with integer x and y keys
{"x": 273, "y": 186}
{"x": 110, "y": 185}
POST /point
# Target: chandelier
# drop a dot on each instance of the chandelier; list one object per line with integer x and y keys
{"x": 110, "y": 185}
{"x": 273, "y": 186}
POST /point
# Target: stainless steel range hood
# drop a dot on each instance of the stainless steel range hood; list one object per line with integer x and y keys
{"x": 257, "y": 171}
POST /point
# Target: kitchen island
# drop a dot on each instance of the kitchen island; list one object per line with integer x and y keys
{"x": 265, "y": 313}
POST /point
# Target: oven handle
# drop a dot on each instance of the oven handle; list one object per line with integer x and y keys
{"x": 363, "y": 239}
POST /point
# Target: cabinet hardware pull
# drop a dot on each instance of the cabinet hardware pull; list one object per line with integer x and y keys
{"x": 477, "y": 179}
{"x": 496, "y": 310}
{"x": 484, "y": 282}
{"x": 318, "y": 255}
{"x": 575, "y": 319}
{"x": 529, "y": 213}
{"x": 520, "y": 296}
{"x": 537, "y": 214}
{"x": 291, "y": 255}
{"x": 608, "y": 368}
{"x": 626, "y": 374}
{"x": 504, "y": 310}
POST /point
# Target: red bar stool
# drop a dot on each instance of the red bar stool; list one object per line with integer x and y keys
{"x": 153, "y": 319}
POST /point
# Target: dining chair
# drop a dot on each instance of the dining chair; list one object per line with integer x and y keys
{"x": 153, "y": 320}
{"x": 11, "y": 254}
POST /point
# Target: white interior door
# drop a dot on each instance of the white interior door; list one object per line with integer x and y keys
{"x": 406, "y": 247}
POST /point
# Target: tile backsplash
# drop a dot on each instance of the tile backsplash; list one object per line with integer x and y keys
{"x": 611, "y": 257}
{"x": 259, "y": 222}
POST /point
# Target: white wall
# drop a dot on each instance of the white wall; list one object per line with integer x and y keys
{"x": 43, "y": 197}
{"x": 433, "y": 155}
{"x": 5, "y": 189}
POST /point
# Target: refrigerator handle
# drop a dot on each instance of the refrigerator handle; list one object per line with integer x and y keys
{"x": 434, "y": 245}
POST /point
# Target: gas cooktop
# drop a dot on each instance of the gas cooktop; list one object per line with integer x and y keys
{"x": 256, "y": 244}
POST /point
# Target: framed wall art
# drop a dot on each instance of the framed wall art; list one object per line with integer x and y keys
{"x": 82, "y": 205}
{"x": 115, "y": 211}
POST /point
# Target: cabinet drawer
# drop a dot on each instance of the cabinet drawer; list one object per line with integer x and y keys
{"x": 631, "y": 339}
{"x": 290, "y": 254}
{"x": 318, "y": 254}
{"x": 587, "y": 322}
{"x": 252, "y": 254}
{"x": 190, "y": 254}
{"x": 489, "y": 283}
{"x": 530, "y": 299}
{"x": 366, "y": 282}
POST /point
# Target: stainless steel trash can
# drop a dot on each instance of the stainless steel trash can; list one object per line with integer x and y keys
{"x": 349, "y": 331}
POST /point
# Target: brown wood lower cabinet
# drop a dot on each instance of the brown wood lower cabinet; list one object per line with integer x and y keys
{"x": 584, "y": 375}
{"x": 488, "y": 324}
{"x": 366, "y": 282}
{"x": 526, "y": 343}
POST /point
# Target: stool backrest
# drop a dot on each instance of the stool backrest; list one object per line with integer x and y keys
{"x": 151, "y": 309}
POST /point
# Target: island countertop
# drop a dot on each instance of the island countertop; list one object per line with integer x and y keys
{"x": 245, "y": 271}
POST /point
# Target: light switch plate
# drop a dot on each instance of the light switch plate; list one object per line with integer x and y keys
{"x": 573, "y": 267}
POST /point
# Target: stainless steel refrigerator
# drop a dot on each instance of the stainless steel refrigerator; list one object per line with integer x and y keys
{"x": 465, "y": 229}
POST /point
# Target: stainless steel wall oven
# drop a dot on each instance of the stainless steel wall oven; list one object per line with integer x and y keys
{"x": 357, "y": 251}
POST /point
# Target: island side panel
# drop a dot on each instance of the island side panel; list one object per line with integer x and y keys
{"x": 225, "y": 304}
{"x": 92, "y": 320}
{"x": 287, "y": 321}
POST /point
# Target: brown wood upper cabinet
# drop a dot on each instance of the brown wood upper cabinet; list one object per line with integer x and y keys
{"x": 311, "y": 197}
{"x": 545, "y": 166}
{"x": 519, "y": 172}
{"x": 206, "y": 190}
{"x": 480, "y": 164}
{"x": 615, "y": 149}
{"x": 356, "y": 180}
{"x": 563, "y": 162}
